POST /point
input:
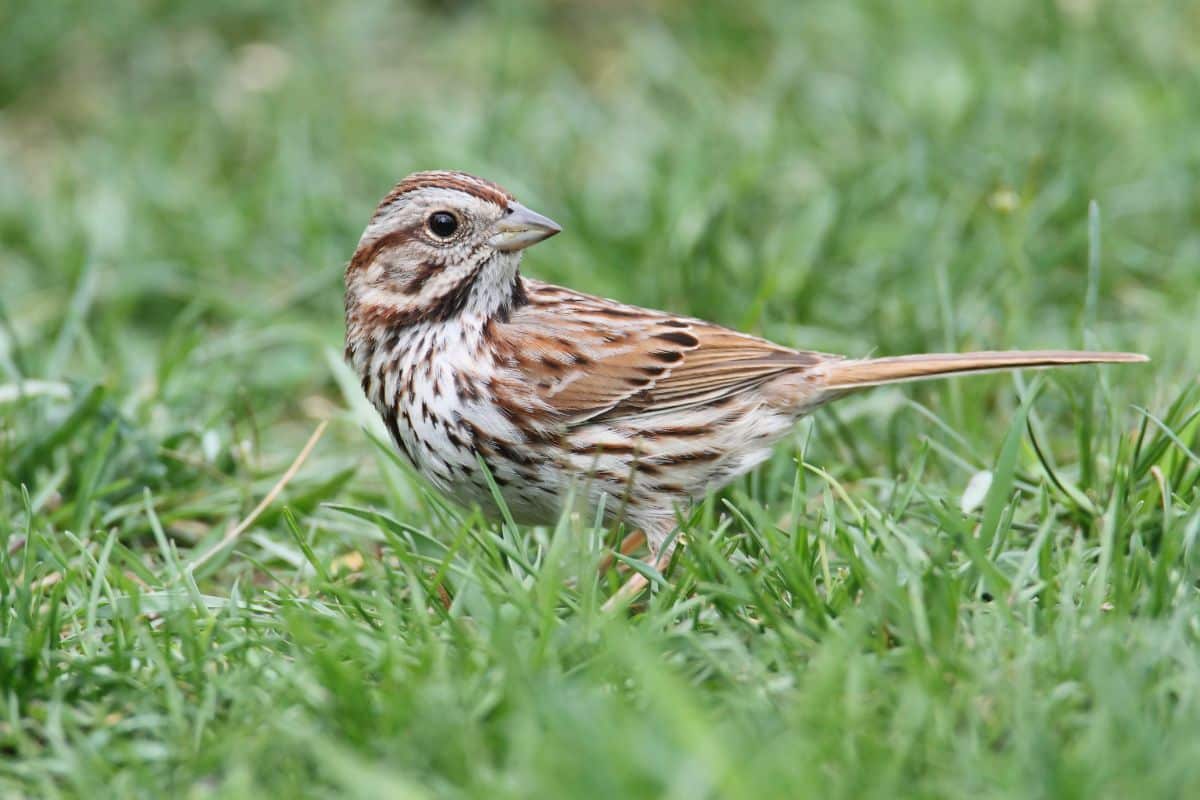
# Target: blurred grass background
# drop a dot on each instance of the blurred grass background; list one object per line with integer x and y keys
{"x": 180, "y": 187}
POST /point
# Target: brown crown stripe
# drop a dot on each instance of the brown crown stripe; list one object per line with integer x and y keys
{"x": 458, "y": 181}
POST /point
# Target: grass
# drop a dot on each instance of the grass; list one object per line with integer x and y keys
{"x": 179, "y": 189}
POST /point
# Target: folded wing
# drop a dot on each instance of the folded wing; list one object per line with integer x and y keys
{"x": 607, "y": 361}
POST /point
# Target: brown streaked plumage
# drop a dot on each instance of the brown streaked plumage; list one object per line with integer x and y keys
{"x": 559, "y": 391}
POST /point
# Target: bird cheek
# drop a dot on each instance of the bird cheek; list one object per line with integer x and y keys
{"x": 374, "y": 273}
{"x": 413, "y": 280}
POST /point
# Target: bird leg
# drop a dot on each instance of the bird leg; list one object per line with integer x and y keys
{"x": 660, "y": 559}
{"x": 628, "y": 546}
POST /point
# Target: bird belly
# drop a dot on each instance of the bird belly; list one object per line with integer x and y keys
{"x": 449, "y": 426}
{"x": 655, "y": 463}
{"x": 442, "y": 414}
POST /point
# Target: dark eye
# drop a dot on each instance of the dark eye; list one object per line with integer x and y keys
{"x": 442, "y": 224}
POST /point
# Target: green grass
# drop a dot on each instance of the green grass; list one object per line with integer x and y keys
{"x": 179, "y": 190}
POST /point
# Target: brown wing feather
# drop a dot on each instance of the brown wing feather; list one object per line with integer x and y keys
{"x": 608, "y": 360}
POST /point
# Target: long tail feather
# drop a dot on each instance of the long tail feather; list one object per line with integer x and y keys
{"x": 852, "y": 374}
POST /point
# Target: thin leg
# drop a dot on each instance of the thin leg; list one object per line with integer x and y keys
{"x": 637, "y": 582}
{"x": 629, "y": 546}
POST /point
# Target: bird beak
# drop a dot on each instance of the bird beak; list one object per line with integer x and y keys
{"x": 520, "y": 228}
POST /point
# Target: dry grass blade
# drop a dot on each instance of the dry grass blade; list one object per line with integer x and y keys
{"x": 237, "y": 530}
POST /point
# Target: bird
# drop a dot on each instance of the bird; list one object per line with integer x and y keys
{"x": 479, "y": 372}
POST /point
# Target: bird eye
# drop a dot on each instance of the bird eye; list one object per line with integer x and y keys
{"x": 442, "y": 224}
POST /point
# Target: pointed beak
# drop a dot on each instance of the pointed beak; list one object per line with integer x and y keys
{"x": 520, "y": 228}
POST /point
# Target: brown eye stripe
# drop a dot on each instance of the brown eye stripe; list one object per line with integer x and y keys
{"x": 366, "y": 254}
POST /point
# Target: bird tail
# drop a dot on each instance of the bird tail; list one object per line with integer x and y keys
{"x": 855, "y": 373}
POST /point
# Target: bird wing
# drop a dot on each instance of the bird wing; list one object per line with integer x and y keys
{"x": 592, "y": 359}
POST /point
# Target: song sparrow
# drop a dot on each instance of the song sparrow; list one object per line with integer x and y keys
{"x": 466, "y": 360}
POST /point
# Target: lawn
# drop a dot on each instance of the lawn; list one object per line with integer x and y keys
{"x": 982, "y": 587}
